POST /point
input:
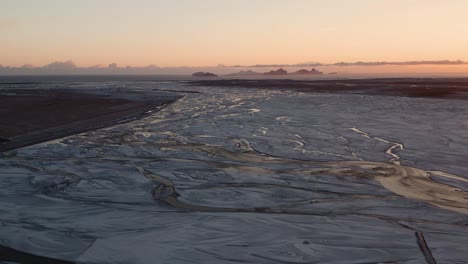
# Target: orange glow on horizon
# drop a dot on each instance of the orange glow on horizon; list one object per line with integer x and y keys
{"x": 172, "y": 34}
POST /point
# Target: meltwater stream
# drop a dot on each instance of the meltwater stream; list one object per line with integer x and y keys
{"x": 230, "y": 175}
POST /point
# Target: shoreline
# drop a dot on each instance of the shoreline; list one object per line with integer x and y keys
{"x": 444, "y": 88}
{"x": 54, "y": 114}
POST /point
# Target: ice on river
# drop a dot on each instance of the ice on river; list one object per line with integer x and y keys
{"x": 254, "y": 176}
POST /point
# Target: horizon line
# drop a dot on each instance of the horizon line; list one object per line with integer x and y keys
{"x": 69, "y": 64}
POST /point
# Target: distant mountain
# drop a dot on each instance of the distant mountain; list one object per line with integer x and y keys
{"x": 277, "y": 72}
{"x": 306, "y": 72}
{"x": 204, "y": 74}
{"x": 244, "y": 73}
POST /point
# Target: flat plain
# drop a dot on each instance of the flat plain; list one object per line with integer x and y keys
{"x": 249, "y": 171}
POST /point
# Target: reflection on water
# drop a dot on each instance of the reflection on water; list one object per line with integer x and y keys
{"x": 252, "y": 176}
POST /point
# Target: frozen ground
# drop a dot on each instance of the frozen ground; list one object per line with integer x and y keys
{"x": 232, "y": 175}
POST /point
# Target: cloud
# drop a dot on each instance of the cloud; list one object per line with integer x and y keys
{"x": 360, "y": 63}
{"x": 61, "y": 66}
{"x": 383, "y": 63}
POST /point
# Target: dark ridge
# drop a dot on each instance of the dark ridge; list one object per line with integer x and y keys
{"x": 430, "y": 88}
{"x": 19, "y": 83}
{"x": 204, "y": 74}
{"x": 12, "y": 255}
{"x": 425, "y": 248}
{"x": 177, "y": 91}
{"x": 2, "y": 140}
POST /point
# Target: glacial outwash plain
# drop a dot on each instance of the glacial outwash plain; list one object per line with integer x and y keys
{"x": 142, "y": 170}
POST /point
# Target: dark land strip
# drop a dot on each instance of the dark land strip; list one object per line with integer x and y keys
{"x": 15, "y": 256}
{"x": 456, "y": 88}
{"x": 29, "y": 117}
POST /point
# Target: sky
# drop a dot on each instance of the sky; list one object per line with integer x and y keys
{"x": 171, "y": 33}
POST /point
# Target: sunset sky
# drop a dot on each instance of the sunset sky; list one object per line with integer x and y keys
{"x": 211, "y": 32}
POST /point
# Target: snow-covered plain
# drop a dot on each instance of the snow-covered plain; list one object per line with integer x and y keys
{"x": 233, "y": 175}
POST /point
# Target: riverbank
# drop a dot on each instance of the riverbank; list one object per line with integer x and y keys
{"x": 29, "y": 117}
